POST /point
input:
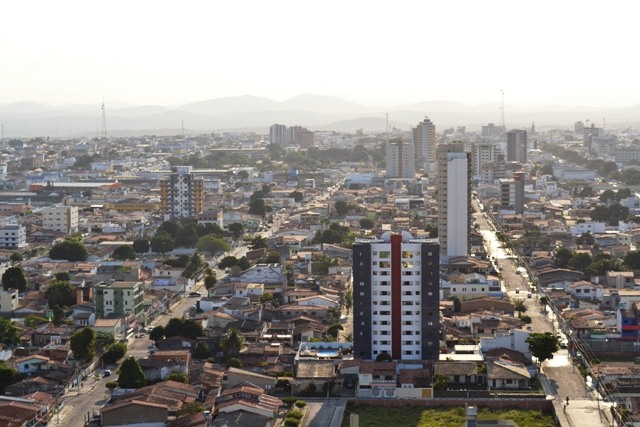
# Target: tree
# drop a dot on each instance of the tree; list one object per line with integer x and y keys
{"x": 607, "y": 196}
{"x": 188, "y": 235}
{"x": 234, "y": 362}
{"x": 525, "y": 319}
{"x": 580, "y": 261}
{"x": 632, "y": 260}
{"x": 266, "y": 297}
{"x": 348, "y": 300}
{"x": 71, "y": 249}
{"x": 542, "y": 345}
{"x": 59, "y": 293}
{"x": 212, "y": 244}
{"x": 232, "y": 343}
{"x": 210, "y": 280}
{"x": 257, "y": 207}
{"x": 520, "y": 306}
{"x": 141, "y": 246}
{"x": 131, "y": 374}
{"x": 209, "y": 228}
{"x": 9, "y": 333}
{"x": 227, "y": 262}
{"x": 156, "y": 334}
{"x": 124, "y": 252}
{"x": 586, "y": 239}
{"x": 202, "y": 350}
{"x": 180, "y": 377}
{"x": 162, "y": 242}
{"x": 236, "y": 229}
{"x": 244, "y": 263}
{"x": 341, "y": 207}
{"x": 170, "y": 227}
{"x": 273, "y": 257}
{"x": 14, "y": 278}
{"x": 15, "y": 258}
{"x": 191, "y": 408}
{"x": 297, "y": 196}
{"x": 367, "y": 223}
{"x": 193, "y": 266}
{"x": 58, "y": 315}
{"x": 111, "y": 385}
{"x": 384, "y": 357}
{"x": 187, "y": 328}
{"x": 115, "y": 352}
{"x": 562, "y": 257}
{"x": 83, "y": 345}
{"x": 333, "y": 330}
{"x": 258, "y": 242}
{"x": 62, "y": 276}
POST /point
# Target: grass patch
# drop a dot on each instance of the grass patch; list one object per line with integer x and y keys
{"x": 372, "y": 416}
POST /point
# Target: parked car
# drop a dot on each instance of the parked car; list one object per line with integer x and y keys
{"x": 107, "y": 372}
{"x": 195, "y": 294}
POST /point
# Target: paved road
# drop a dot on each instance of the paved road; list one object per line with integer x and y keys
{"x": 327, "y": 413}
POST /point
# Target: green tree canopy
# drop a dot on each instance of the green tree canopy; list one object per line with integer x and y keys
{"x": 162, "y": 242}
{"x": 232, "y": 343}
{"x": 367, "y": 223}
{"x": 212, "y": 244}
{"x": 60, "y": 293}
{"x": 542, "y": 345}
{"x": 297, "y": 196}
{"x": 9, "y": 332}
{"x": 131, "y": 374}
{"x": 14, "y": 278}
{"x": 71, "y": 249}
{"x": 141, "y": 246}
{"x": 562, "y": 256}
{"x": 236, "y": 229}
{"x": 157, "y": 334}
{"x": 210, "y": 280}
{"x": 244, "y": 263}
{"x": 15, "y": 257}
{"x": 115, "y": 352}
{"x": 257, "y": 207}
{"x": 124, "y": 252}
{"x": 227, "y": 262}
{"x": 341, "y": 207}
{"x": 632, "y": 260}
{"x": 180, "y": 377}
{"x": 187, "y": 328}
{"x": 202, "y": 350}
{"x": 191, "y": 408}
{"x": 258, "y": 242}
{"x": 83, "y": 343}
{"x": 170, "y": 227}
{"x": 273, "y": 257}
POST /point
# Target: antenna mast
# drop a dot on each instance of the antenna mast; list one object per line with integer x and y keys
{"x": 387, "y": 124}
{"x": 502, "y": 109}
{"x": 104, "y": 123}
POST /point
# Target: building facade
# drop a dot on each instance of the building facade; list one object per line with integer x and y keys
{"x": 454, "y": 199}
{"x": 512, "y": 193}
{"x": 401, "y": 159}
{"x": 182, "y": 194}
{"x": 13, "y": 236}
{"x": 424, "y": 141}
{"x": 517, "y": 146}
{"x": 396, "y": 297}
{"x": 64, "y": 219}
{"x": 119, "y": 298}
{"x": 278, "y": 134}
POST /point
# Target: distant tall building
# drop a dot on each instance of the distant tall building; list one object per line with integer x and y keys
{"x": 278, "y": 134}
{"x": 396, "y": 285}
{"x": 483, "y": 153}
{"x": 517, "y": 146}
{"x": 182, "y": 194}
{"x": 454, "y": 199}
{"x": 512, "y": 192}
{"x": 491, "y": 130}
{"x": 301, "y": 136}
{"x": 588, "y": 135}
{"x": 578, "y": 127}
{"x": 400, "y": 159}
{"x": 424, "y": 140}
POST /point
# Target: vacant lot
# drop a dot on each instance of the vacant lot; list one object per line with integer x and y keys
{"x": 447, "y": 417}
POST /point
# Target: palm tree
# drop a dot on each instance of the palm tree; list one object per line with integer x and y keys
{"x": 232, "y": 343}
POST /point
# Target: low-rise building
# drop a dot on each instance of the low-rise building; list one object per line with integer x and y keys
{"x": 119, "y": 298}
{"x": 13, "y": 236}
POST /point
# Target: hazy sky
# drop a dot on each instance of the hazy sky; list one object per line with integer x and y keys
{"x": 170, "y": 52}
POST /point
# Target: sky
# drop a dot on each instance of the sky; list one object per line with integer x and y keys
{"x": 571, "y": 53}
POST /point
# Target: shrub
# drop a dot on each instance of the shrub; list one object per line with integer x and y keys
{"x": 289, "y": 400}
{"x": 301, "y": 403}
{"x": 295, "y": 414}
{"x": 291, "y": 422}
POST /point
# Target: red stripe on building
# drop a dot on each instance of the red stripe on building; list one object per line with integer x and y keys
{"x": 396, "y": 296}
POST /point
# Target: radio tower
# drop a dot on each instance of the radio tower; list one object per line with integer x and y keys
{"x": 103, "y": 136}
{"x": 502, "y": 109}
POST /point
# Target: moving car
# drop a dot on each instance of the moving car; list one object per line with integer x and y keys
{"x": 107, "y": 372}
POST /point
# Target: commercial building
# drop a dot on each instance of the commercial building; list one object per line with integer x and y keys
{"x": 119, "y": 298}
{"x": 424, "y": 140}
{"x": 512, "y": 193}
{"x": 396, "y": 297}
{"x": 454, "y": 199}
{"x": 182, "y": 194}
{"x": 401, "y": 159}
{"x": 517, "y": 146}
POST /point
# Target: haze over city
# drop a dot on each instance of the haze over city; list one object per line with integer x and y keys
{"x": 381, "y": 54}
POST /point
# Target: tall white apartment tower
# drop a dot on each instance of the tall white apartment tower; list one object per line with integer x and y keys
{"x": 401, "y": 158}
{"x": 454, "y": 199}
{"x": 424, "y": 140}
{"x": 483, "y": 153}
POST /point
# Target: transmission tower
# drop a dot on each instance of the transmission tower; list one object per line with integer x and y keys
{"x": 103, "y": 136}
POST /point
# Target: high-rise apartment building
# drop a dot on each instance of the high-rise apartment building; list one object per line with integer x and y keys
{"x": 454, "y": 199}
{"x": 61, "y": 218}
{"x": 512, "y": 192}
{"x": 301, "y": 136}
{"x": 483, "y": 153}
{"x": 396, "y": 284}
{"x": 401, "y": 158}
{"x": 278, "y": 134}
{"x": 182, "y": 194}
{"x": 517, "y": 146}
{"x": 589, "y": 134}
{"x": 424, "y": 140}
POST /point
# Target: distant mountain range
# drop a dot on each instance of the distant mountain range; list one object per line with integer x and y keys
{"x": 251, "y": 113}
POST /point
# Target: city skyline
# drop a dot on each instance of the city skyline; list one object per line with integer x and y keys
{"x": 152, "y": 53}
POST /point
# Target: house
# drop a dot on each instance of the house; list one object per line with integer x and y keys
{"x": 376, "y": 379}
{"x": 620, "y": 279}
{"x": 507, "y": 374}
{"x": 314, "y": 373}
{"x": 247, "y": 397}
{"x": 585, "y": 290}
{"x": 32, "y": 364}
{"x": 134, "y": 412}
{"x": 458, "y": 374}
{"x": 237, "y": 376}
{"x": 108, "y": 326}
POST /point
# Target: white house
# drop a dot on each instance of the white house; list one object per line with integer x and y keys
{"x": 585, "y": 290}
{"x": 33, "y": 363}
